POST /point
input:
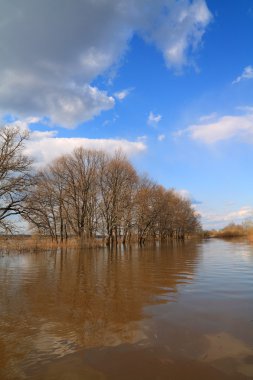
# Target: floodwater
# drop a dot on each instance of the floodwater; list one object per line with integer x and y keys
{"x": 179, "y": 311}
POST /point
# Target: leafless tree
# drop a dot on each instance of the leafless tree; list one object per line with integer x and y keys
{"x": 41, "y": 206}
{"x": 81, "y": 190}
{"x": 117, "y": 182}
{"x": 90, "y": 193}
{"x": 64, "y": 199}
{"x": 149, "y": 205}
{"x": 15, "y": 177}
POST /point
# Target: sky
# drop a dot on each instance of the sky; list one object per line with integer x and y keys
{"x": 170, "y": 82}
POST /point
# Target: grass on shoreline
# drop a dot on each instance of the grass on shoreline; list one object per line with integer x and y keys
{"x": 24, "y": 243}
{"x": 233, "y": 231}
{"x": 36, "y": 243}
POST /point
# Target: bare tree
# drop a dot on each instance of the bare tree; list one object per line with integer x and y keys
{"x": 81, "y": 172}
{"x": 117, "y": 182}
{"x": 149, "y": 207}
{"x": 15, "y": 177}
{"x": 42, "y": 205}
{"x": 90, "y": 193}
{"x": 65, "y": 196}
{"x": 163, "y": 214}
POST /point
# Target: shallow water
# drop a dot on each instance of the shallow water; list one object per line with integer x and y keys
{"x": 180, "y": 311}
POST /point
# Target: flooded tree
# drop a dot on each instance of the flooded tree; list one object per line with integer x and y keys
{"x": 147, "y": 208}
{"x": 44, "y": 206}
{"x": 117, "y": 183}
{"x": 79, "y": 173}
{"x": 64, "y": 199}
{"x": 163, "y": 214}
{"x": 15, "y": 177}
{"x": 89, "y": 194}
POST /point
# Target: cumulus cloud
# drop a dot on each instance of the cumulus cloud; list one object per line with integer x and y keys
{"x": 67, "y": 105}
{"x": 179, "y": 29}
{"x": 45, "y": 146}
{"x": 23, "y": 125}
{"x": 52, "y": 52}
{"x": 223, "y": 128}
{"x": 153, "y": 120}
{"x": 246, "y": 74}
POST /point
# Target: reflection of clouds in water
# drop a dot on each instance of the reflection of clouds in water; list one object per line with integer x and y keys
{"x": 222, "y": 347}
{"x": 99, "y": 334}
{"x": 247, "y": 255}
{"x": 242, "y": 250}
{"x": 51, "y": 340}
{"x": 47, "y": 342}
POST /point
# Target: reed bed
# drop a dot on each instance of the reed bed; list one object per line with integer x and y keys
{"x": 20, "y": 244}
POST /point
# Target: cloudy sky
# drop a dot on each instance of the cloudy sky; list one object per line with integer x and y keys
{"x": 168, "y": 81}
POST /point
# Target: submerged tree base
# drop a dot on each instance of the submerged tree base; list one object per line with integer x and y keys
{"x": 37, "y": 243}
{"x": 26, "y": 243}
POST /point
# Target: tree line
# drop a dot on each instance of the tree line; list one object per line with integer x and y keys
{"x": 88, "y": 194}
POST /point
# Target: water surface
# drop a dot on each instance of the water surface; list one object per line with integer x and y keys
{"x": 179, "y": 311}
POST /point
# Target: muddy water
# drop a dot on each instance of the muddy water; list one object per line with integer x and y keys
{"x": 182, "y": 311}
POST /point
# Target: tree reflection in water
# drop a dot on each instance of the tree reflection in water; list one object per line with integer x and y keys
{"x": 57, "y": 303}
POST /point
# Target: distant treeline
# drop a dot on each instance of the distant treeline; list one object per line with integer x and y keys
{"x": 88, "y": 194}
{"x": 233, "y": 230}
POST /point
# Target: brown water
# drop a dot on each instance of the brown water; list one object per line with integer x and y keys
{"x": 182, "y": 311}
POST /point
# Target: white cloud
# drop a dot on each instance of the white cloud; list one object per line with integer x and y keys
{"x": 179, "y": 29}
{"x": 219, "y": 220}
{"x": 66, "y": 105}
{"x": 39, "y": 135}
{"x": 223, "y": 128}
{"x": 161, "y": 137}
{"x": 48, "y": 71}
{"x": 242, "y": 213}
{"x": 121, "y": 95}
{"x": 246, "y": 74}
{"x": 111, "y": 121}
{"x": 185, "y": 194}
{"x": 45, "y": 146}
{"x": 153, "y": 120}
{"x": 22, "y": 124}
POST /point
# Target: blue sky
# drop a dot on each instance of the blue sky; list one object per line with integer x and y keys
{"x": 170, "y": 82}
